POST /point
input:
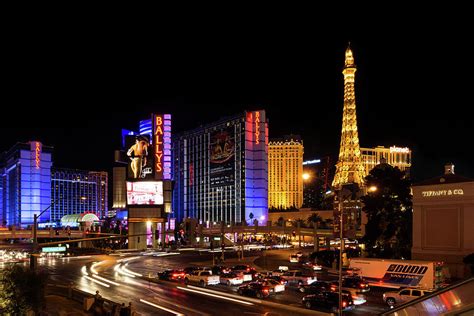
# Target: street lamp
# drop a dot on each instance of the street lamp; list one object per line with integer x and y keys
{"x": 306, "y": 176}
{"x": 35, "y": 237}
{"x": 373, "y": 189}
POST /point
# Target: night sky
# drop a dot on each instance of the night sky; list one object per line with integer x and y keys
{"x": 411, "y": 90}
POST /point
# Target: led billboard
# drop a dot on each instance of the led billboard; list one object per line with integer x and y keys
{"x": 222, "y": 157}
{"x": 145, "y": 193}
{"x": 139, "y": 152}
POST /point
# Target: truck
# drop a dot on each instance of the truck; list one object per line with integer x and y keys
{"x": 397, "y": 274}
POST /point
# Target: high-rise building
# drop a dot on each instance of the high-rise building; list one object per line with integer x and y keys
{"x": 350, "y": 172}
{"x": 25, "y": 183}
{"x": 395, "y": 156}
{"x": 78, "y": 191}
{"x": 29, "y": 185}
{"x": 221, "y": 170}
{"x": 285, "y": 172}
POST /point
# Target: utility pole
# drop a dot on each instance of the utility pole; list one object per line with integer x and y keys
{"x": 33, "y": 255}
{"x": 341, "y": 245}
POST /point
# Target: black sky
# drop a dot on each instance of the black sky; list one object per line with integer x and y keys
{"x": 412, "y": 89}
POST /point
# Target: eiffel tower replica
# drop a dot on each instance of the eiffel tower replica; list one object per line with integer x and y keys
{"x": 350, "y": 173}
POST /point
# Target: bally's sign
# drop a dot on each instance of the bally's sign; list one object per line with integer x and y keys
{"x": 442, "y": 193}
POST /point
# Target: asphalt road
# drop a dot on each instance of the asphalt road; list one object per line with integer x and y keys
{"x": 168, "y": 298}
{"x": 173, "y": 298}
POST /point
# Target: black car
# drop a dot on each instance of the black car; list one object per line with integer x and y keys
{"x": 171, "y": 275}
{"x": 328, "y": 301}
{"x": 316, "y": 287}
{"x": 256, "y": 289}
{"x": 356, "y": 283}
{"x": 218, "y": 270}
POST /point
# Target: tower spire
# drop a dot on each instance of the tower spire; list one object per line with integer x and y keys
{"x": 349, "y": 168}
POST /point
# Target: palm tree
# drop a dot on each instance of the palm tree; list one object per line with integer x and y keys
{"x": 313, "y": 219}
{"x": 281, "y": 221}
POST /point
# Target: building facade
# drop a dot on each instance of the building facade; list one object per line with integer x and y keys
{"x": 221, "y": 170}
{"x": 443, "y": 213}
{"x": 285, "y": 172}
{"x": 25, "y": 185}
{"x": 78, "y": 191}
{"x": 395, "y": 156}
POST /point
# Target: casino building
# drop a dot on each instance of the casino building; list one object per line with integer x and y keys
{"x": 395, "y": 156}
{"x": 443, "y": 216}
{"x": 221, "y": 170}
{"x": 29, "y": 184}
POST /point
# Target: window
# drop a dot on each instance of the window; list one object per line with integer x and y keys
{"x": 416, "y": 293}
{"x": 405, "y": 292}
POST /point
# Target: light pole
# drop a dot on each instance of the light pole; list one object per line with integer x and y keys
{"x": 35, "y": 238}
{"x": 341, "y": 245}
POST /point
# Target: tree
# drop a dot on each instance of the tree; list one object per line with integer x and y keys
{"x": 23, "y": 290}
{"x": 313, "y": 219}
{"x": 281, "y": 221}
{"x": 388, "y": 205}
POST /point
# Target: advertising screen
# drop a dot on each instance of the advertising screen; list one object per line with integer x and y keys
{"x": 145, "y": 193}
{"x": 222, "y": 157}
{"x": 140, "y": 157}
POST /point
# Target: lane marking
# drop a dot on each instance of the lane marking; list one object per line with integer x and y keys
{"x": 214, "y": 295}
{"x": 162, "y": 308}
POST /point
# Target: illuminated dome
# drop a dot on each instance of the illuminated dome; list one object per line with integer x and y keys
{"x": 74, "y": 220}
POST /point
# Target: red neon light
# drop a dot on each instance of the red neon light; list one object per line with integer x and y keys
{"x": 257, "y": 123}
{"x": 37, "y": 155}
{"x": 158, "y": 144}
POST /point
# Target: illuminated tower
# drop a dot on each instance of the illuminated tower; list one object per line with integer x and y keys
{"x": 349, "y": 167}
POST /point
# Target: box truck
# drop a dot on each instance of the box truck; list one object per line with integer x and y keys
{"x": 400, "y": 273}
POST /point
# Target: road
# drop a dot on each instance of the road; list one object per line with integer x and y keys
{"x": 167, "y": 298}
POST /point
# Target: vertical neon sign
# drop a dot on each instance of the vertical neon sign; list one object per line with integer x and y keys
{"x": 37, "y": 154}
{"x": 257, "y": 124}
{"x": 162, "y": 146}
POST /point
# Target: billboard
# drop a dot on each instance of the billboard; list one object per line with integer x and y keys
{"x": 222, "y": 157}
{"x": 139, "y": 152}
{"x": 145, "y": 193}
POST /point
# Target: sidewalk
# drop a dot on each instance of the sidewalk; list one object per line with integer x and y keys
{"x": 61, "y": 306}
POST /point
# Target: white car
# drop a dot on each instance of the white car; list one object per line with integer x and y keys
{"x": 404, "y": 295}
{"x": 294, "y": 258}
{"x": 231, "y": 279}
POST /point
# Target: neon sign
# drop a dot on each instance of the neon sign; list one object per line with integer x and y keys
{"x": 162, "y": 146}
{"x": 394, "y": 149}
{"x": 257, "y": 123}
{"x": 37, "y": 154}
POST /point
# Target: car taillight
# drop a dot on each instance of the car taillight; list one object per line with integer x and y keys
{"x": 344, "y": 304}
{"x": 265, "y": 291}
{"x": 248, "y": 269}
{"x": 282, "y": 282}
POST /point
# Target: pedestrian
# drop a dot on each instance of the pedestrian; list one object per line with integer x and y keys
{"x": 123, "y": 310}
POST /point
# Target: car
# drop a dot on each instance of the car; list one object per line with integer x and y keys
{"x": 231, "y": 279}
{"x": 171, "y": 275}
{"x": 403, "y": 295}
{"x": 277, "y": 278}
{"x": 298, "y": 277}
{"x": 356, "y": 283}
{"x": 312, "y": 265}
{"x": 256, "y": 289}
{"x": 218, "y": 270}
{"x": 294, "y": 258}
{"x": 350, "y": 271}
{"x": 328, "y": 301}
{"x": 273, "y": 285}
{"x": 357, "y": 297}
{"x": 315, "y": 287}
